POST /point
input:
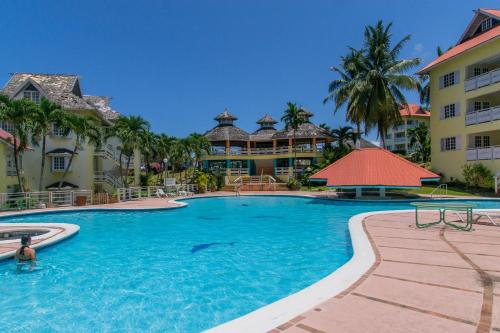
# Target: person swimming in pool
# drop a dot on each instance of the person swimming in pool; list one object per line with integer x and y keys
{"x": 25, "y": 254}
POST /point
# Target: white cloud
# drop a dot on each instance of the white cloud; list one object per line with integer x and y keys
{"x": 419, "y": 48}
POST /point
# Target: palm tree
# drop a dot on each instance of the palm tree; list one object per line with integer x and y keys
{"x": 293, "y": 117}
{"x": 165, "y": 149}
{"x": 132, "y": 132}
{"x": 423, "y": 85}
{"x": 342, "y": 91}
{"x": 19, "y": 113}
{"x": 198, "y": 145}
{"x": 87, "y": 131}
{"x": 421, "y": 141}
{"x": 48, "y": 113}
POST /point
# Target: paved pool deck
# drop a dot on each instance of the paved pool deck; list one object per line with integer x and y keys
{"x": 423, "y": 280}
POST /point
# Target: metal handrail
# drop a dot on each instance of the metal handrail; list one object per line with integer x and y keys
{"x": 441, "y": 186}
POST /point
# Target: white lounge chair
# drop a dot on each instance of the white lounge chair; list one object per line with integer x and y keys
{"x": 489, "y": 215}
{"x": 160, "y": 193}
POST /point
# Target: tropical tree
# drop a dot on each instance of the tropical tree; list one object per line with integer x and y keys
{"x": 420, "y": 140}
{"x": 198, "y": 145}
{"x": 373, "y": 88}
{"x": 344, "y": 137}
{"x": 132, "y": 131}
{"x": 165, "y": 149}
{"x": 86, "y": 130}
{"x": 19, "y": 113}
{"x": 48, "y": 113}
{"x": 423, "y": 85}
{"x": 342, "y": 91}
{"x": 293, "y": 117}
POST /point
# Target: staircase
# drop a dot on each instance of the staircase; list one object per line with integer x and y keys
{"x": 101, "y": 177}
{"x": 110, "y": 153}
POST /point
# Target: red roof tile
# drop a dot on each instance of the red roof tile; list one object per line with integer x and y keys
{"x": 494, "y": 12}
{"x": 460, "y": 48}
{"x": 414, "y": 110}
{"x": 373, "y": 167}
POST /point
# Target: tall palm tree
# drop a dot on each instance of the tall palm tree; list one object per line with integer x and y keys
{"x": 165, "y": 149}
{"x": 19, "y": 113}
{"x": 423, "y": 85}
{"x": 198, "y": 145}
{"x": 87, "y": 131}
{"x": 343, "y": 90}
{"x": 293, "y": 117}
{"x": 132, "y": 132}
{"x": 48, "y": 113}
{"x": 419, "y": 139}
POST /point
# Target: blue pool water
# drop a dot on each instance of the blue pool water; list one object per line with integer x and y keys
{"x": 182, "y": 270}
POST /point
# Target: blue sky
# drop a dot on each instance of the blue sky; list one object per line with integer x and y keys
{"x": 179, "y": 63}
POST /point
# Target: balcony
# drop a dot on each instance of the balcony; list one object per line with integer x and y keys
{"x": 482, "y": 116}
{"x": 485, "y": 153}
{"x": 400, "y": 139}
{"x": 482, "y": 80}
{"x": 11, "y": 171}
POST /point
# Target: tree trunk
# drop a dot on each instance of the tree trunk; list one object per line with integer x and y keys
{"x": 295, "y": 155}
{"x": 67, "y": 168}
{"x": 42, "y": 167}
{"x": 121, "y": 169}
{"x": 16, "y": 163}
{"x": 128, "y": 166}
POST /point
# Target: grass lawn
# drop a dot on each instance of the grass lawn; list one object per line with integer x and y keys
{"x": 451, "y": 191}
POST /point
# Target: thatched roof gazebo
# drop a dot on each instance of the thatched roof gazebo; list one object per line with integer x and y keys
{"x": 225, "y": 130}
{"x": 266, "y": 130}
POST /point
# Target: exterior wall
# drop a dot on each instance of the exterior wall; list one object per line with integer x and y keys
{"x": 6, "y": 181}
{"x": 450, "y": 163}
{"x": 391, "y": 142}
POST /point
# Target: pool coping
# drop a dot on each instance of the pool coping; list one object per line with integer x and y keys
{"x": 57, "y": 233}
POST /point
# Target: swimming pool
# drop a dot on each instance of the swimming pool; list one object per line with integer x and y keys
{"x": 182, "y": 270}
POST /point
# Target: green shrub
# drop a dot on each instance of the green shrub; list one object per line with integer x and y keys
{"x": 293, "y": 184}
{"x": 477, "y": 175}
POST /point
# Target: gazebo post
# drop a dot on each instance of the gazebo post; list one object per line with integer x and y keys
{"x": 359, "y": 192}
{"x": 382, "y": 192}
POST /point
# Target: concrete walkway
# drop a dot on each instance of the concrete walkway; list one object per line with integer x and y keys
{"x": 424, "y": 280}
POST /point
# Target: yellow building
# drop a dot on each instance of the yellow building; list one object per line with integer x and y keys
{"x": 465, "y": 99}
{"x": 93, "y": 168}
{"x": 8, "y": 175}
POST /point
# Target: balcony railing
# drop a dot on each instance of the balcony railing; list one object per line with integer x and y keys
{"x": 482, "y": 80}
{"x": 400, "y": 139}
{"x": 484, "y": 153}
{"x": 281, "y": 171}
{"x": 11, "y": 171}
{"x": 482, "y": 116}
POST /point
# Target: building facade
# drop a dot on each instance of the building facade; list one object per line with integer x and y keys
{"x": 266, "y": 151}
{"x": 93, "y": 168}
{"x": 397, "y": 139}
{"x": 465, "y": 99}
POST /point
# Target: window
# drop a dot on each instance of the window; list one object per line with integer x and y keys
{"x": 58, "y": 131}
{"x": 486, "y": 24}
{"x": 389, "y": 147}
{"x": 449, "y": 111}
{"x": 32, "y": 95}
{"x": 400, "y": 147}
{"x": 58, "y": 163}
{"x": 448, "y": 144}
{"x": 409, "y": 122}
{"x": 479, "y": 70}
{"x": 6, "y": 126}
{"x": 400, "y": 134}
{"x": 481, "y": 141}
{"x": 388, "y": 136}
{"x": 478, "y": 105}
{"x": 449, "y": 79}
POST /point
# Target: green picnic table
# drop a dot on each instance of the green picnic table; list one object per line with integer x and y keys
{"x": 442, "y": 207}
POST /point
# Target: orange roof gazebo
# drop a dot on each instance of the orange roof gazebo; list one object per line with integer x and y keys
{"x": 373, "y": 168}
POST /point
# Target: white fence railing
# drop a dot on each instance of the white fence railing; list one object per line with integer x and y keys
{"x": 144, "y": 192}
{"x": 482, "y": 116}
{"x": 482, "y": 80}
{"x": 485, "y": 153}
{"x": 281, "y": 171}
{"x": 109, "y": 151}
{"x": 32, "y": 200}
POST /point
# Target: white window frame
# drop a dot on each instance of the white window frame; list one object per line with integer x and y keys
{"x": 486, "y": 24}
{"x": 7, "y": 126}
{"x": 449, "y": 80}
{"x": 450, "y": 111}
{"x": 450, "y": 144}
{"x": 32, "y": 95}
{"x": 58, "y": 131}
{"x": 57, "y": 166}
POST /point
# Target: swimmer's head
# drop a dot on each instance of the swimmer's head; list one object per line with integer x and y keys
{"x": 26, "y": 240}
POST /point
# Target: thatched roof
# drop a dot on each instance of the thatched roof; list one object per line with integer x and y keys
{"x": 101, "y": 103}
{"x": 267, "y": 119}
{"x": 227, "y": 132}
{"x": 263, "y": 134}
{"x": 62, "y": 89}
{"x": 305, "y": 131}
{"x": 225, "y": 116}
